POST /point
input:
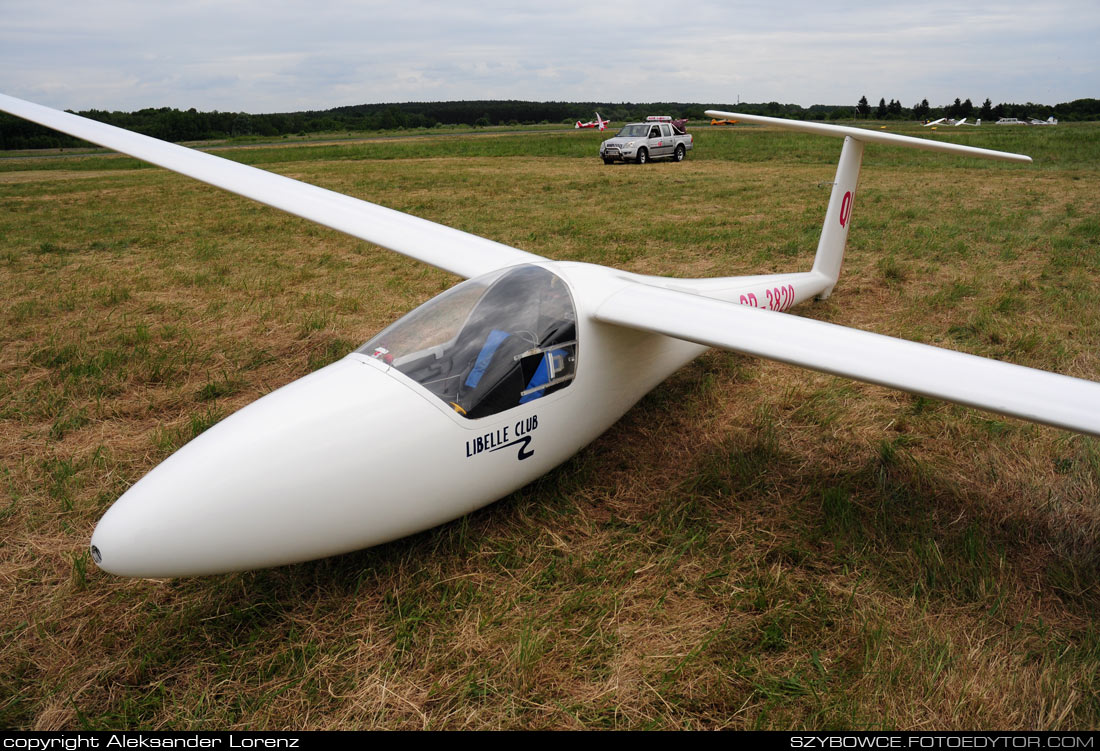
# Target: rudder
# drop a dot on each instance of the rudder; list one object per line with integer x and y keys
{"x": 838, "y": 217}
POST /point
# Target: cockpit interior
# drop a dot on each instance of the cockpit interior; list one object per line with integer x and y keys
{"x": 490, "y": 343}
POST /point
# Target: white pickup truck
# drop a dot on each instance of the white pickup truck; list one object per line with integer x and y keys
{"x": 660, "y": 137}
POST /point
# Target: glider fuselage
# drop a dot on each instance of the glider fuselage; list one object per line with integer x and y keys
{"x": 358, "y": 453}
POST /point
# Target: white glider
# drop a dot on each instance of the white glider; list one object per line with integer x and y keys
{"x": 495, "y": 382}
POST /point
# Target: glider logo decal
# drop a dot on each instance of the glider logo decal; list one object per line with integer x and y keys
{"x": 523, "y": 452}
{"x": 845, "y": 208}
{"x": 509, "y": 435}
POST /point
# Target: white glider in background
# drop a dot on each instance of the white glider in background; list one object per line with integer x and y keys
{"x": 954, "y": 123}
{"x": 496, "y": 381}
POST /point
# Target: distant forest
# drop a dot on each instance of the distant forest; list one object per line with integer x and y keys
{"x": 190, "y": 125}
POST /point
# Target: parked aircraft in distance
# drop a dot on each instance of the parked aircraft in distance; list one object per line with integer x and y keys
{"x": 951, "y": 122}
{"x": 599, "y": 122}
{"x": 498, "y": 380}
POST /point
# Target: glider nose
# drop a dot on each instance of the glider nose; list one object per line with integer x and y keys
{"x": 290, "y": 477}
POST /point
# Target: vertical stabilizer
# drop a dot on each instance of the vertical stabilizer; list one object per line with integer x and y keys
{"x": 838, "y": 217}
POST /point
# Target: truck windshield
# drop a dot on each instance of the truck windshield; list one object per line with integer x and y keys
{"x": 490, "y": 343}
{"x": 636, "y": 130}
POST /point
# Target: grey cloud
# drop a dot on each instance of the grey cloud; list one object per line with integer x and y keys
{"x": 247, "y": 55}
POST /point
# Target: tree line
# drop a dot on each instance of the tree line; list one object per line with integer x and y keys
{"x": 191, "y": 125}
{"x": 1079, "y": 109}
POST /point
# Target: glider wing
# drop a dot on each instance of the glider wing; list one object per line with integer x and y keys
{"x": 1036, "y": 395}
{"x": 435, "y": 244}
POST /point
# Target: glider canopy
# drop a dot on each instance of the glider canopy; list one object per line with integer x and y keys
{"x": 488, "y": 344}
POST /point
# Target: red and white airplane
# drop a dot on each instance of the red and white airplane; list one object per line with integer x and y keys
{"x": 599, "y": 122}
{"x": 498, "y": 380}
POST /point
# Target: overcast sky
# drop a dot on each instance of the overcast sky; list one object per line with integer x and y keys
{"x": 286, "y": 55}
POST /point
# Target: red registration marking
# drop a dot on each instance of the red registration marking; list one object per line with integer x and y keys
{"x": 779, "y": 299}
{"x": 845, "y": 208}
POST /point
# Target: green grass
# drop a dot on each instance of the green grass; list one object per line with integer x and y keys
{"x": 753, "y": 546}
{"x": 1068, "y": 146}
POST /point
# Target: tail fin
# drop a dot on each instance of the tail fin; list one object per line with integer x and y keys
{"x": 838, "y": 217}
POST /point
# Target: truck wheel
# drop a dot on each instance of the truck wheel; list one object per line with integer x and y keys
{"x": 608, "y": 161}
{"x": 680, "y": 152}
{"x": 643, "y": 156}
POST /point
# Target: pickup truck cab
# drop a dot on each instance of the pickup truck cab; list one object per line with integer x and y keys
{"x": 658, "y": 138}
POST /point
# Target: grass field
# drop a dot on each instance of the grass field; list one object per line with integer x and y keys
{"x": 753, "y": 546}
